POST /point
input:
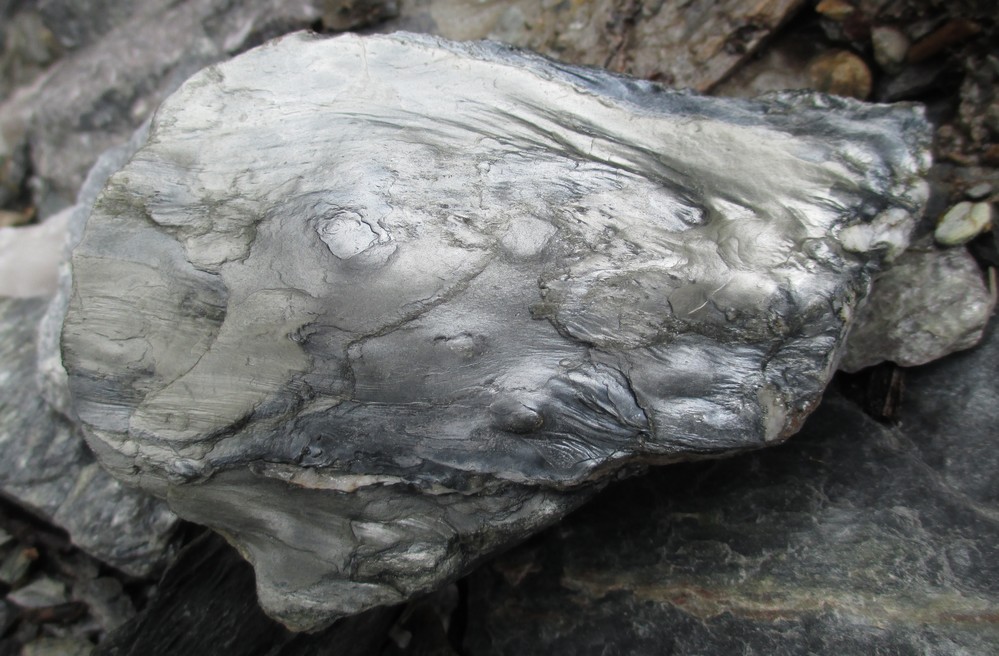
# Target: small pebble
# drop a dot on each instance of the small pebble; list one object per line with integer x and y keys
{"x": 842, "y": 73}
{"x": 890, "y": 47}
{"x": 979, "y": 191}
{"x": 57, "y": 647}
{"x": 41, "y": 593}
{"x": 962, "y": 223}
{"x": 836, "y": 10}
{"x": 16, "y": 565}
{"x": 9, "y": 219}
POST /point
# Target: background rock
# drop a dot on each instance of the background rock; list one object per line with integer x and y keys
{"x": 674, "y": 43}
{"x": 138, "y": 53}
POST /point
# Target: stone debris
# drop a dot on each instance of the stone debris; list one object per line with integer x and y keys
{"x": 837, "y": 10}
{"x": 513, "y": 280}
{"x": 929, "y": 304}
{"x": 15, "y": 565}
{"x": 40, "y": 593}
{"x": 962, "y": 223}
{"x": 841, "y": 73}
{"x": 953, "y": 32}
{"x": 890, "y": 47}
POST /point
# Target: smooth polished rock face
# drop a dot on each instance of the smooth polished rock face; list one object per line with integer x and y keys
{"x": 375, "y": 307}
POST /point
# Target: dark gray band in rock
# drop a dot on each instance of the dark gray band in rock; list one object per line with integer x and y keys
{"x": 375, "y": 307}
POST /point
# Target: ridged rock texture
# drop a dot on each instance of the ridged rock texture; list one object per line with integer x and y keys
{"x": 375, "y": 307}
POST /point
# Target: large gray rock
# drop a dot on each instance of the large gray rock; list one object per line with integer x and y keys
{"x": 375, "y": 307}
{"x": 672, "y": 42}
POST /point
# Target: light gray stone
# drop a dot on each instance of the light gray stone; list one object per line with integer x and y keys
{"x": 57, "y": 647}
{"x": 890, "y": 47}
{"x": 40, "y": 593}
{"x": 930, "y": 303}
{"x": 963, "y": 222}
{"x": 16, "y": 564}
{"x": 419, "y": 299}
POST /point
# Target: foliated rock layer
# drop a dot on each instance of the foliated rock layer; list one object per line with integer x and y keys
{"x": 375, "y": 307}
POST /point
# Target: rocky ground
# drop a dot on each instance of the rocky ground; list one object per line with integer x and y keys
{"x": 810, "y": 547}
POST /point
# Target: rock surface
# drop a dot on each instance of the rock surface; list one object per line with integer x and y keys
{"x": 419, "y": 299}
{"x": 852, "y": 538}
{"x": 929, "y": 303}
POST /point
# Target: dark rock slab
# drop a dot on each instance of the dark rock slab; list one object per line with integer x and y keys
{"x": 852, "y": 538}
{"x": 950, "y": 412}
{"x": 205, "y": 605}
{"x": 419, "y": 299}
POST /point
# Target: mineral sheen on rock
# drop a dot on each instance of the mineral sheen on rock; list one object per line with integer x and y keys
{"x": 373, "y": 308}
